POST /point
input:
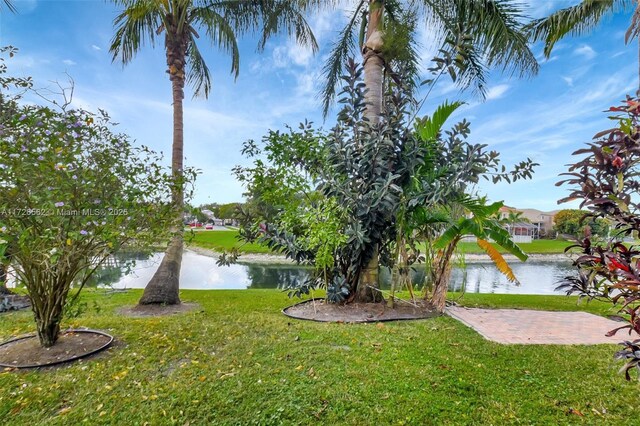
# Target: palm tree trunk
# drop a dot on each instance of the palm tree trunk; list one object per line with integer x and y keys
{"x": 164, "y": 286}
{"x": 373, "y": 64}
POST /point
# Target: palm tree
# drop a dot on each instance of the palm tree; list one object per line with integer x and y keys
{"x": 582, "y": 18}
{"x": 222, "y": 21}
{"x": 475, "y": 34}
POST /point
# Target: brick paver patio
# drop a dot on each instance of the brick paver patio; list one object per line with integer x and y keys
{"x": 520, "y": 326}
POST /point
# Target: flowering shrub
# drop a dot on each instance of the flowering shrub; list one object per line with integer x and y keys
{"x": 72, "y": 192}
{"x": 607, "y": 181}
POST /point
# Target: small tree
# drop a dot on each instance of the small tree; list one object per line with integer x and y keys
{"x": 72, "y": 192}
{"x": 575, "y": 223}
{"x": 607, "y": 180}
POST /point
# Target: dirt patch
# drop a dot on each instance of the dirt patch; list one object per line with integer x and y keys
{"x": 143, "y": 311}
{"x": 26, "y": 352}
{"x": 13, "y": 302}
{"x": 320, "y": 310}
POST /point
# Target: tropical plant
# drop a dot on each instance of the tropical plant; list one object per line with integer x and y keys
{"x": 338, "y": 200}
{"x": 442, "y": 205}
{"x": 181, "y": 21}
{"x": 72, "y": 192}
{"x": 606, "y": 180}
{"x": 480, "y": 223}
{"x": 580, "y": 19}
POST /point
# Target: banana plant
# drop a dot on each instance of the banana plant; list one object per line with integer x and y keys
{"x": 480, "y": 222}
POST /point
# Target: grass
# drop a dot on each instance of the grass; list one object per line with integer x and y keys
{"x": 225, "y": 240}
{"x": 238, "y": 360}
{"x": 534, "y": 247}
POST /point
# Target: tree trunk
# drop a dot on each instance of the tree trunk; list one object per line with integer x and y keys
{"x": 47, "y": 302}
{"x": 369, "y": 278}
{"x": 373, "y": 62}
{"x": 164, "y": 287}
{"x": 48, "y": 332}
{"x": 368, "y": 285}
{"x": 441, "y": 275}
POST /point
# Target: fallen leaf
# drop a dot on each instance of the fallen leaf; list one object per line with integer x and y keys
{"x": 576, "y": 412}
{"x": 64, "y": 410}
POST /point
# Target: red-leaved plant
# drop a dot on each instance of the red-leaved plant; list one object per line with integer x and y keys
{"x": 607, "y": 180}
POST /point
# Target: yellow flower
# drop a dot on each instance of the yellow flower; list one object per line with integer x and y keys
{"x": 68, "y": 241}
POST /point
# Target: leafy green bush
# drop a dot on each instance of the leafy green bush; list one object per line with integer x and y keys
{"x": 607, "y": 180}
{"x": 72, "y": 192}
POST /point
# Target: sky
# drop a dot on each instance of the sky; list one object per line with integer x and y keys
{"x": 545, "y": 117}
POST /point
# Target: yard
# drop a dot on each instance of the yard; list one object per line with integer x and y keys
{"x": 225, "y": 240}
{"x": 238, "y": 360}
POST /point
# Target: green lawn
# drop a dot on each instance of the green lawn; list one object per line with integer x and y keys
{"x": 534, "y": 247}
{"x": 224, "y": 240}
{"x": 239, "y": 361}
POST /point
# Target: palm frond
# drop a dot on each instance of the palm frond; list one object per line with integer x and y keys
{"x": 281, "y": 14}
{"x": 428, "y": 128}
{"x": 496, "y": 28}
{"x": 575, "y": 20}
{"x": 222, "y": 35}
{"x": 198, "y": 75}
{"x": 342, "y": 49}
{"x": 10, "y": 6}
{"x": 497, "y": 259}
{"x": 134, "y": 26}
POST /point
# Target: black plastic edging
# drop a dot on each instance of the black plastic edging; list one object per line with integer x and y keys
{"x": 31, "y": 336}
{"x": 365, "y": 321}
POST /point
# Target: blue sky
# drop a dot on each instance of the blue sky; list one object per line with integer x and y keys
{"x": 545, "y": 117}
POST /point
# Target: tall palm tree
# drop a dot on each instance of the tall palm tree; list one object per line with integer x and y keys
{"x": 581, "y": 19}
{"x": 222, "y": 21}
{"x": 487, "y": 33}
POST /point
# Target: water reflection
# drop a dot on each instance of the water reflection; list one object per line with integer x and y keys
{"x": 201, "y": 273}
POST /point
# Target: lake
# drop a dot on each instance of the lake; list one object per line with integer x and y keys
{"x": 201, "y": 273}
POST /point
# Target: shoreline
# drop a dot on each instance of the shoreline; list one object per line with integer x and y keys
{"x": 275, "y": 259}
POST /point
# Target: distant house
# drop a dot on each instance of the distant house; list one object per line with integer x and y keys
{"x": 534, "y": 223}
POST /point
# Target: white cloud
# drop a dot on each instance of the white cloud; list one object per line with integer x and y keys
{"x": 497, "y": 92}
{"x": 568, "y": 80}
{"x": 94, "y": 47}
{"x": 586, "y": 51}
{"x": 69, "y": 62}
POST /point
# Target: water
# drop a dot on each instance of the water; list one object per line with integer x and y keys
{"x": 201, "y": 273}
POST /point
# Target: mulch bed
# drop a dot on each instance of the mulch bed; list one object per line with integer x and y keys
{"x": 320, "y": 310}
{"x": 26, "y": 352}
{"x": 143, "y": 311}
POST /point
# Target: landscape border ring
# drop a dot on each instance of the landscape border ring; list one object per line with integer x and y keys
{"x": 57, "y": 362}
{"x": 285, "y": 312}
